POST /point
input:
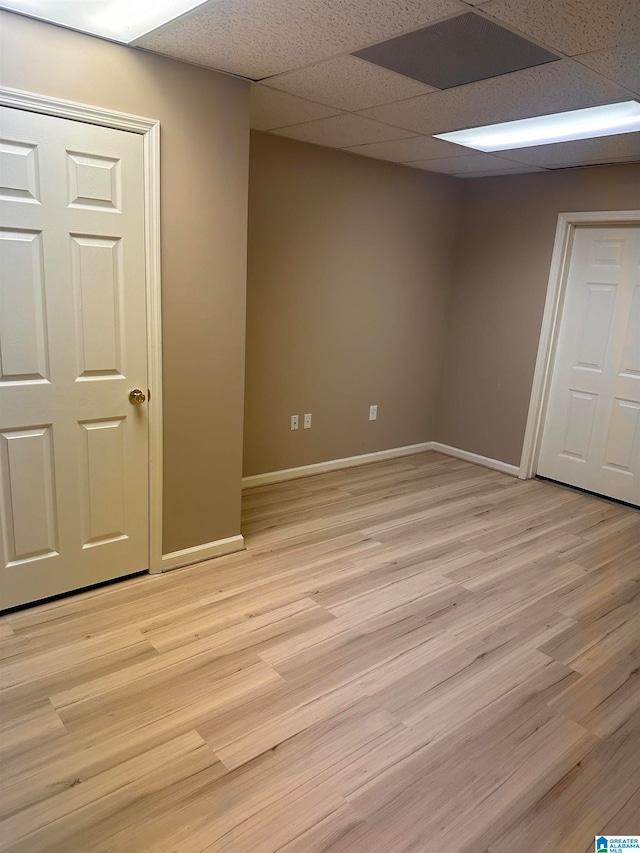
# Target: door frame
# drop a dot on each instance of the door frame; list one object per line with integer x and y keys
{"x": 149, "y": 129}
{"x": 552, "y": 319}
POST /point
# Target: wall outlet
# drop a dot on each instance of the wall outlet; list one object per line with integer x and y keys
{"x": 294, "y": 422}
{"x": 307, "y": 421}
{"x": 373, "y": 413}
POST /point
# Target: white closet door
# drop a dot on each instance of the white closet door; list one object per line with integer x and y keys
{"x": 73, "y": 448}
{"x": 591, "y": 436}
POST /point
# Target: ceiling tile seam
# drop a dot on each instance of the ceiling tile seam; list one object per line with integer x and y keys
{"x": 360, "y": 109}
{"x": 499, "y": 174}
{"x": 184, "y": 61}
{"x": 364, "y": 144}
{"x": 562, "y": 166}
{"x": 346, "y": 150}
{"x": 465, "y": 152}
{"x": 503, "y": 155}
{"x": 424, "y": 171}
{"x": 464, "y": 175}
{"x": 264, "y": 82}
{"x": 478, "y": 176}
{"x": 606, "y": 49}
{"x": 499, "y": 20}
{"x": 462, "y": 11}
{"x": 410, "y": 162}
{"x": 598, "y": 77}
{"x": 403, "y": 165}
{"x": 338, "y": 110}
{"x": 274, "y": 132}
{"x": 635, "y": 95}
{"x": 468, "y": 153}
{"x": 328, "y": 118}
{"x": 462, "y": 157}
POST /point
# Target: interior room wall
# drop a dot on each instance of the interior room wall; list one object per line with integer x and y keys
{"x": 350, "y": 261}
{"x": 503, "y": 258}
{"x": 204, "y": 120}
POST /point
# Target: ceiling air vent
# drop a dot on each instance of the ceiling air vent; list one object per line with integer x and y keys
{"x": 459, "y": 50}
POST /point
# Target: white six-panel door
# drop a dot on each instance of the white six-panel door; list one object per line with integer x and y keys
{"x": 591, "y": 435}
{"x": 73, "y": 448}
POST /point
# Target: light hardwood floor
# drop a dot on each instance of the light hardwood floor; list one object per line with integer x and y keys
{"x": 413, "y": 655}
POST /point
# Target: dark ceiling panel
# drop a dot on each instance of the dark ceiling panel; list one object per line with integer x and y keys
{"x": 460, "y": 50}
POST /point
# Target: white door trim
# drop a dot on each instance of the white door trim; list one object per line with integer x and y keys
{"x": 150, "y": 131}
{"x": 552, "y": 317}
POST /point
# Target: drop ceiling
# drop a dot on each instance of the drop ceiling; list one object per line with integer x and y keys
{"x": 379, "y": 77}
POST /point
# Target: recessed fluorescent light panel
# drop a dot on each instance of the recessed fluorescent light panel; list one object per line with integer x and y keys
{"x": 607, "y": 120}
{"x": 118, "y": 20}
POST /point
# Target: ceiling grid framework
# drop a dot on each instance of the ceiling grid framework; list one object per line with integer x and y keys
{"x": 379, "y": 78}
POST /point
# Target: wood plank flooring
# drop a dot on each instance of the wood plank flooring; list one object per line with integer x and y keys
{"x": 413, "y": 655}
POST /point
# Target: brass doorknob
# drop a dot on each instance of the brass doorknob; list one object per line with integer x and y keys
{"x": 136, "y": 397}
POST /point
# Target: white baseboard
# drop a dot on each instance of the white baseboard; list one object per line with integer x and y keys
{"x": 333, "y": 465}
{"x": 485, "y": 461}
{"x": 378, "y": 456}
{"x": 188, "y": 556}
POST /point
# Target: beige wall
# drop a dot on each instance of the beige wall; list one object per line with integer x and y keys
{"x": 350, "y": 261}
{"x": 357, "y": 271}
{"x": 204, "y": 139}
{"x": 503, "y": 259}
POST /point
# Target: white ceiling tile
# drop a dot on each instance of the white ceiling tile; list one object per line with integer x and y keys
{"x": 349, "y": 83}
{"x": 466, "y": 165}
{"x": 259, "y": 39}
{"x": 413, "y": 148}
{"x": 342, "y": 131}
{"x": 557, "y": 86}
{"x": 621, "y": 64}
{"x": 625, "y": 146}
{"x": 270, "y": 108}
{"x": 571, "y": 26}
